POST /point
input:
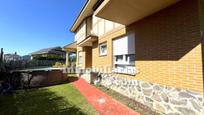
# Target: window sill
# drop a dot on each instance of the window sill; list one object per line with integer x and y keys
{"x": 125, "y": 64}
{"x": 103, "y": 55}
{"x": 126, "y": 73}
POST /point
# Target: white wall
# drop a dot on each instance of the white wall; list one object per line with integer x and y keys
{"x": 102, "y": 26}
{"x": 81, "y": 32}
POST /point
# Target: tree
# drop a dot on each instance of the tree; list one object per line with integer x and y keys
{"x": 1, "y": 56}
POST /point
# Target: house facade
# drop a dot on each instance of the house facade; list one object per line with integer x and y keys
{"x": 154, "y": 50}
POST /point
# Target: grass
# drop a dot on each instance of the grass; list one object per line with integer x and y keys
{"x": 136, "y": 106}
{"x": 55, "y": 100}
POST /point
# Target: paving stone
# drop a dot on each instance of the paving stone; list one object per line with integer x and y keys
{"x": 157, "y": 88}
{"x": 148, "y": 99}
{"x": 200, "y": 99}
{"x": 138, "y": 88}
{"x": 147, "y": 92}
{"x": 156, "y": 97}
{"x": 168, "y": 107}
{"x": 178, "y": 102}
{"x": 149, "y": 104}
{"x": 165, "y": 97}
{"x": 145, "y": 85}
{"x": 186, "y": 111}
{"x": 195, "y": 105}
{"x": 173, "y": 114}
{"x": 185, "y": 95}
{"x": 160, "y": 108}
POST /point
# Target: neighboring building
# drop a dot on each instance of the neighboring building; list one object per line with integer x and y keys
{"x": 12, "y": 57}
{"x": 26, "y": 58}
{"x": 156, "y": 48}
{"x": 49, "y": 53}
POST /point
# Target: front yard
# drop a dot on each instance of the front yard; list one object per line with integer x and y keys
{"x": 60, "y": 99}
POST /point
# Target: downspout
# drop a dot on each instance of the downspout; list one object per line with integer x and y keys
{"x": 201, "y": 19}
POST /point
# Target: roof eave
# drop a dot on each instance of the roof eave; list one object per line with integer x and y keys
{"x": 85, "y": 12}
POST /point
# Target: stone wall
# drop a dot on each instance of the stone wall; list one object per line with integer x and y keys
{"x": 167, "y": 100}
{"x": 86, "y": 76}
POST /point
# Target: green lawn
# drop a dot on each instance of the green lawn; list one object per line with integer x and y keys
{"x": 61, "y": 99}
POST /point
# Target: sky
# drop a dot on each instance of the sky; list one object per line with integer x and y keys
{"x": 30, "y": 25}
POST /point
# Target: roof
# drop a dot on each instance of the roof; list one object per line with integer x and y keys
{"x": 86, "y": 11}
{"x": 71, "y": 45}
{"x": 52, "y": 50}
{"x": 11, "y": 55}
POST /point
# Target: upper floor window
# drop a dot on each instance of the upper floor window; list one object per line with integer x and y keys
{"x": 103, "y": 49}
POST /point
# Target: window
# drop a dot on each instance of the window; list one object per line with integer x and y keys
{"x": 126, "y": 69}
{"x": 124, "y": 54}
{"x": 103, "y": 49}
{"x": 119, "y": 58}
{"x": 126, "y": 59}
{"x": 125, "y": 64}
{"x": 130, "y": 58}
{"x": 80, "y": 57}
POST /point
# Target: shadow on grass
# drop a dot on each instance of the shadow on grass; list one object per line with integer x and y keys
{"x": 42, "y": 102}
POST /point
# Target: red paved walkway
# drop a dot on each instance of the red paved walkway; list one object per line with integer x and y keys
{"x": 103, "y": 103}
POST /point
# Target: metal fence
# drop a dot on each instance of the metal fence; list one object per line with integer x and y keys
{"x": 12, "y": 65}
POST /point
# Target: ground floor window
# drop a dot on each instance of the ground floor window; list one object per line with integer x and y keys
{"x": 124, "y": 54}
{"x": 103, "y": 49}
{"x": 124, "y": 63}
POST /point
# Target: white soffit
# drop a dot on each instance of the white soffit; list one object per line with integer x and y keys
{"x": 128, "y": 11}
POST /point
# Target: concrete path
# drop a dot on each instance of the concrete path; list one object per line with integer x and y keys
{"x": 104, "y": 104}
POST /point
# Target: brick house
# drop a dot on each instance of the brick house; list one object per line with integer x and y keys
{"x": 155, "y": 48}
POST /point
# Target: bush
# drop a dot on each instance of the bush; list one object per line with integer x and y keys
{"x": 2, "y": 67}
{"x": 59, "y": 65}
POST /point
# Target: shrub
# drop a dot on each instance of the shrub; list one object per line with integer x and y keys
{"x": 59, "y": 65}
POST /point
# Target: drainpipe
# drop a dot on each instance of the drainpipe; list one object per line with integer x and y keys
{"x": 201, "y": 15}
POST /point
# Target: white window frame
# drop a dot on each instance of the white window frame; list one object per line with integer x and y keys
{"x": 124, "y": 65}
{"x": 100, "y": 49}
{"x": 125, "y": 60}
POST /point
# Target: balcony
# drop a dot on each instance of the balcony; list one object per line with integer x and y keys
{"x": 72, "y": 47}
{"x": 88, "y": 41}
{"x": 84, "y": 34}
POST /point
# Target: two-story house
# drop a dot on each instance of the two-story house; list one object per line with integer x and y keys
{"x": 155, "y": 50}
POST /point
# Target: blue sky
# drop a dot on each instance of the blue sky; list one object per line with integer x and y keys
{"x": 30, "y": 25}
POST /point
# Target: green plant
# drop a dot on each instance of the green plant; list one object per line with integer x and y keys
{"x": 59, "y": 65}
{"x": 62, "y": 99}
